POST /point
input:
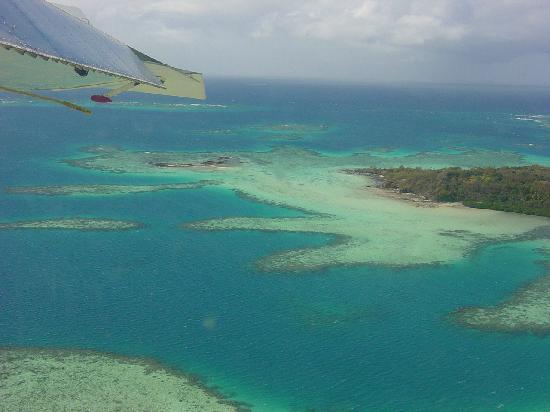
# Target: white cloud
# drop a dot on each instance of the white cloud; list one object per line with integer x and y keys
{"x": 432, "y": 33}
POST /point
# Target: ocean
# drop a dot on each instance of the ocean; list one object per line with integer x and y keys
{"x": 341, "y": 337}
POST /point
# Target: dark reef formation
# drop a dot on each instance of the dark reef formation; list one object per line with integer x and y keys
{"x": 36, "y": 379}
{"x": 526, "y": 311}
{"x": 77, "y": 223}
{"x": 219, "y": 161}
{"x": 102, "y": 190}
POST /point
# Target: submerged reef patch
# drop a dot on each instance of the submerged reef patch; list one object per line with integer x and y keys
{"x": 83, "y": 224}
{"x": 63, "y": 380}
{"x": 273, "y": 132}
{"x": 288, "y": 131}
{"x": 336, "y": 317}
{"x": 367, "y": 227}
{"x": 101, "y": 190}
{"x": 527, "y": 311}
{"x": 119, "y": 161}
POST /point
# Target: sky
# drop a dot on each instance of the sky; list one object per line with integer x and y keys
{"x": 440, "y": 41}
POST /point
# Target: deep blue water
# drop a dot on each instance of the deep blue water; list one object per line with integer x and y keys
{"x": 362, "y": 338}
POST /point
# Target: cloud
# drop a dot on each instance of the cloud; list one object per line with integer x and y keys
{"x": 393, "y": 23}
{"x": 419, "y": 33}
{"x": 437, "y": 24}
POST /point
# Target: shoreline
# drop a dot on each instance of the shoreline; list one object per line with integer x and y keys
{"x": 395, "y": 194}
{"x": 391, "y": 187}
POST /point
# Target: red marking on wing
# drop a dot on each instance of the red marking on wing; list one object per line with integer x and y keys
{"x": 100, "y": 99}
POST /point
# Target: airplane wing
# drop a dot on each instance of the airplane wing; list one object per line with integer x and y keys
{"x": 45, "y": 47}
{"x": 72, "y": 10}
{"x": 176, "y": 82}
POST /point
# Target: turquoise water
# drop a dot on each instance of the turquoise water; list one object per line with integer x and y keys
{"x": 361, "y": 338}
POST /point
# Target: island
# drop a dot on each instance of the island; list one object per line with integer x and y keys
{"x": 510, "y": 189}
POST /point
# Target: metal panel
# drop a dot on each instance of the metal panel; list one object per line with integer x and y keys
{"x": 38, "y": 27}
{"x": 23, "y": 71}
{"x": 178, "y": 83}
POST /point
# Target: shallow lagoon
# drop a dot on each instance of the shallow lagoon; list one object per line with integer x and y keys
{"x": 368, "y": 226}
{"x": 342, "y": 338}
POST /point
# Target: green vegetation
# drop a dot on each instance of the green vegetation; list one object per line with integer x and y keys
{"x": 510, "y": 189}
